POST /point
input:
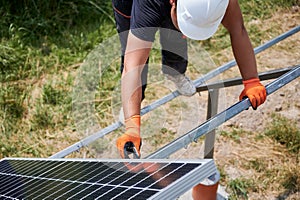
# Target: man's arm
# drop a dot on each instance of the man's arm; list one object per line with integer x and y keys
{"x": 241, "y": 45}
{"x": 244, "y": 54}
{"x": 137, "y": 52}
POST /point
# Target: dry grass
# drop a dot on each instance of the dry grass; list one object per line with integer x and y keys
{"x": 270, "y": 168}
{"x": 259, "y": 166}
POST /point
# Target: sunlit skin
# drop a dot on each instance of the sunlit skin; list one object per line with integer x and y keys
{"x": 138, "y": 51}
{"x": 173, "y": 13}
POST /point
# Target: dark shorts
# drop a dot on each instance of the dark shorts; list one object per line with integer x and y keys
{"x": 149, "y": 16}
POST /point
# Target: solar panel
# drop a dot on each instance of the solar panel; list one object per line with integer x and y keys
{"x": 33, "y": 178}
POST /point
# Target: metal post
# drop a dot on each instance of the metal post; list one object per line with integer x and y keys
{"x": 212, "y": 110}
{"x": 220, "y": 118}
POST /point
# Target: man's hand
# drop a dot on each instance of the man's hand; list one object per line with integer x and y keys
{"x": 130, "y": 142}
{"x": 255, "y": 91}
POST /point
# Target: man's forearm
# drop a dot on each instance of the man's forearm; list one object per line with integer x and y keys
{"x": 131, "y": 92}
{"x": 240, "y": 42}
{"x": 244, "y": 54}
{"x": 137, "y": 52}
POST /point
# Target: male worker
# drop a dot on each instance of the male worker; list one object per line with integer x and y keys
{"x": 196, "y": 19}
{"x": 174, "y": 62}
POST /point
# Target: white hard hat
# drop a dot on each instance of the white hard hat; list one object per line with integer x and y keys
{"x": 199, "y": 19}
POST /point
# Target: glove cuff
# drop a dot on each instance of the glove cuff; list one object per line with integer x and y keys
{"x": 251, "y": 82}
{"x": 134, "y": 122}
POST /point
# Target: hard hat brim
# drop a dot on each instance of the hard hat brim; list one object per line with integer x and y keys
{"x": 195, "y": 32}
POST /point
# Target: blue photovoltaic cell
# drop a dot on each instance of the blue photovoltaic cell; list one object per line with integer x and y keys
{"x": 90, "y": 179}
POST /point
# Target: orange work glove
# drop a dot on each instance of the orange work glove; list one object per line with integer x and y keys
{"x": 255, "y": 91}
{"x": 130, "y": 141}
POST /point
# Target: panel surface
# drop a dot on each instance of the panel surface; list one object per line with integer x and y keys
{"x": 99, "y": 179}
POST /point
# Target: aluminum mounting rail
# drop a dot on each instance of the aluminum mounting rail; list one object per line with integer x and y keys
{"x": 218, "y": 71}
{"x": 101, "y": 133}
{"x": 267, "y": 75}
{"x": 214, "y": 122}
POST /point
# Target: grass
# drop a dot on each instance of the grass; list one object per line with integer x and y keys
{"x": 273, "y": 165}
{"x": 240, "y": 188}
{"x": 235, "y": 134}
{"x": 259, "y": 165}
{"x": 255, "y": 12}
{"x": 43, "y": 47}
{"x": 158, "y": 139}
{"x": 43, "y": 44}
{"x": 285, "y": 132}
{"x": 292, "y": 181}
{"x": 259, "y": 9}
{"x": 38, "y": 35}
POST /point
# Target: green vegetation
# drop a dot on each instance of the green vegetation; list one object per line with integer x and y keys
{"x": 275, "y": 168}
{"x": 259, "y": 9}
{"x": 159, "y": 139}
{"x": 285, "y": 132}
{"x": 257, "y": 164}
{"x": 240, "y": 188}
{"x": 234, "y": 134}
{"x": 254, "y": 12}
{"x": 44, "y": 44}
{"x": 42, "y": 36}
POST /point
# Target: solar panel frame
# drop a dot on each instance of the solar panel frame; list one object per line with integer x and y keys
{"x": 110, "y": 186}
{"x": 193, "y": 177}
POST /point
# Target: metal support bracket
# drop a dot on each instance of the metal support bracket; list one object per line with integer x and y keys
{"x": 220, "y": 118}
